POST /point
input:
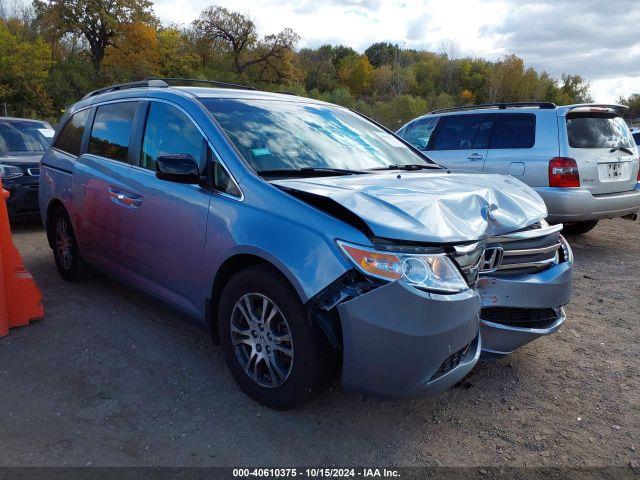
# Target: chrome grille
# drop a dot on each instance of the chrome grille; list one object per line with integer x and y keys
{"x": 526, "y": 251}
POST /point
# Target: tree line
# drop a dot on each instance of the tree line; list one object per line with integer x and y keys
{"x": 52, "y": 52}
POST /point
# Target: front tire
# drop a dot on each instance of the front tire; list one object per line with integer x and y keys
{"x": 276, "y": 355}
{"x": 579, "y": 228}
{"x": 70, "y": 264}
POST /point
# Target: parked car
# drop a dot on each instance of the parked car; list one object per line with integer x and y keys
{"x": 22, "y": 144}
{"x": 581, "y": 159}
{"x": 311, "y": 241}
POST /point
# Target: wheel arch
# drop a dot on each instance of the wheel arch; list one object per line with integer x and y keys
{"x": 227, "y": 270}
{"x": 51, "y": 208}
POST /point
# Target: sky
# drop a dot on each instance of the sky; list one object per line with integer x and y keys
{"x": 599, "y": 40}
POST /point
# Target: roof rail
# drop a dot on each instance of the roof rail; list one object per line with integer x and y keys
{"x": 178, "y": 80}
{"x": 147, "y": 82}
{"x": 500, "y": 106}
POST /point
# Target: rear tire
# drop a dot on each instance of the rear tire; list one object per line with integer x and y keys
{"x": 70, "y": 264}
{"x": 579, "y": 228}
{"x": 276, "y": 355}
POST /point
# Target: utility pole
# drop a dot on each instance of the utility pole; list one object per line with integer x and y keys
{"x": 6, "y": 114}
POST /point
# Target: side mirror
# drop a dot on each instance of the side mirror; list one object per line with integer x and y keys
{"x": 179, "y": 168}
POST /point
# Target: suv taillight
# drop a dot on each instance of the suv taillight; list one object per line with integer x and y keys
{"x": 563, "y": 172}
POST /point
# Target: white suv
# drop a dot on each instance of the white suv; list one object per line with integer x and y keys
{"x": 581, "y": 159}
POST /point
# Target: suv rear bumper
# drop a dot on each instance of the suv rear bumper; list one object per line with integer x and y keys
{"x": 399, "y": 341}
{"x": 578, "y": 204}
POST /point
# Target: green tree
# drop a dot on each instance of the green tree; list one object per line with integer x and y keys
{"x": 177, "y": 55}
{"x": 24, "y": 69}
{"x": 383, "y": 53}
{"x": 633, "y": 102}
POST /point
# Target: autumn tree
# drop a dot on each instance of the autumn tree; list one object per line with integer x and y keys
{"x": 134, "y": 53}
{"x": 236, "y": 34}
{"x": 575, "y": 88}
{"x": 355, "y": 72}
{"x": 97, "y": 21}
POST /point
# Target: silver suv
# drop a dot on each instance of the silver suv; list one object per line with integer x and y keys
{"x": 581, "y": 159}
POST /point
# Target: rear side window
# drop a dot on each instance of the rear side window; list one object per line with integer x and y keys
{"x": 169, "y": 131}
{"x": 70, "y": 138}
{"x": 111, "y": 130}
{"x": 457, "y": 132}
{"x": 513, "y": 131}
{"x": 419, "y": 132}
{"x": 636, "y": 137}
{"x": 588, "y": 130}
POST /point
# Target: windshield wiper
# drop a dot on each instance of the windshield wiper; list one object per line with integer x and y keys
{"x": 409, "y": 167}
{"x": 306, "y": 171}
{"x": 622, "y": 149}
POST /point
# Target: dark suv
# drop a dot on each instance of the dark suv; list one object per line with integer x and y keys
{"x": 22, "y": 144}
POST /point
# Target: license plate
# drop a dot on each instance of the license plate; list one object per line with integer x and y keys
{"x": 614, "y": 171}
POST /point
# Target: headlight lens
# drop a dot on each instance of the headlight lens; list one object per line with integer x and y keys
{"x": 429, "y": 272}
{"x": 9, "y": 171}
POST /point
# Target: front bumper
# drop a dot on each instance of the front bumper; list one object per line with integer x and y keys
{"x": 23, "y": 197}
{"x": 398, "y": 340}
{"x": 533, "y": 293}
{"x": 578, "y": 204}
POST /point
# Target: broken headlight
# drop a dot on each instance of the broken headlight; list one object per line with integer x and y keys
{"x": 434, "y": 272}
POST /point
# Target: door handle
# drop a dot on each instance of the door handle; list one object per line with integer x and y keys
{"x": 474, "y": 157}
{"x": 130, "y": 200}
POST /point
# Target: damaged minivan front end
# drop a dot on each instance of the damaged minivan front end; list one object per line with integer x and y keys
{"x": 414, "y": 313}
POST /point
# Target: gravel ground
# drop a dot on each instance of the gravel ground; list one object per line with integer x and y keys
{"x": 112, "y": 377}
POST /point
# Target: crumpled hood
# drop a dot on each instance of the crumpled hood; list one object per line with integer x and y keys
{"x": 433, "y": 207}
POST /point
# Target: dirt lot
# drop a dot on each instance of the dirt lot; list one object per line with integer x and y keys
{"x": 111, "y": 377}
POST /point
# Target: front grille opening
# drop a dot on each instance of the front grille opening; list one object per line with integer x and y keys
{"x": 516, "y": 257}
{"x": 451, "y": 362}
{"x": 520, "y": 317}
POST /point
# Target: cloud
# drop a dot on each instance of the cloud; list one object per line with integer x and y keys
{"x": 597, "y": 39}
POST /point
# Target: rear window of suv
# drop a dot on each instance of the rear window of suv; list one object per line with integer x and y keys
{"x": 586, "y": 130}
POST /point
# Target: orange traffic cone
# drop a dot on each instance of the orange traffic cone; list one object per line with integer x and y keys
{"x": 20, "y": 299}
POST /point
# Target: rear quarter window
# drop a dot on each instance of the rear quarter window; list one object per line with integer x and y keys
{"x": 70, "y": 138}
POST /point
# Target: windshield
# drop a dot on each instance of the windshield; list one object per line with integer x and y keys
{"x": 281, "y": 135}
{"x": 598, "y": 131}
{"x": 24, "y": 136}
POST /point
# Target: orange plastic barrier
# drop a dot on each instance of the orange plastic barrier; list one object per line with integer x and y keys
{"x": 20, "y": 298}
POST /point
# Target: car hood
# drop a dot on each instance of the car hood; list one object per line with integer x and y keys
{"x": 433, "y": 207}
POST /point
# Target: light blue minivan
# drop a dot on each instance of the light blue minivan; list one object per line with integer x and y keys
{"x": 313, "y": 242}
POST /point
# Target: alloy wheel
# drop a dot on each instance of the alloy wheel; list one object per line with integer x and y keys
{"x": 261, "y": 339}
{"x": 64, "y": 243}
